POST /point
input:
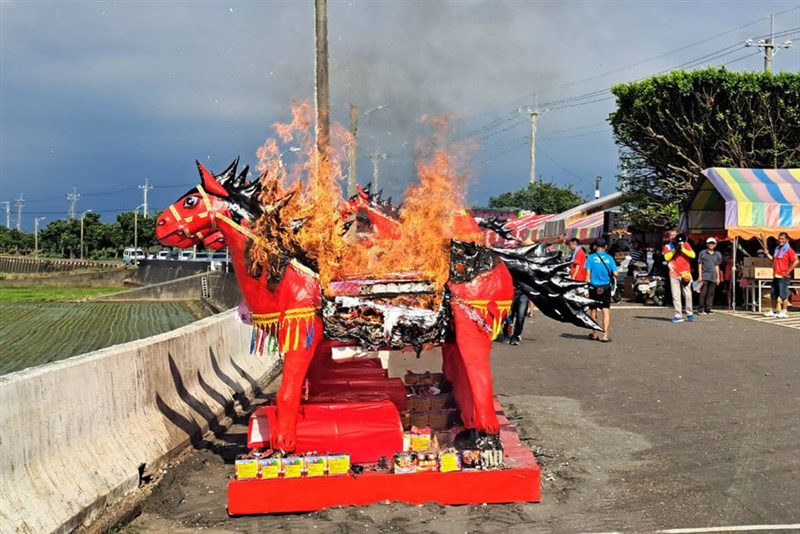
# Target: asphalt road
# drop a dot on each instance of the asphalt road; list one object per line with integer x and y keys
{"x": 670, "y": 426}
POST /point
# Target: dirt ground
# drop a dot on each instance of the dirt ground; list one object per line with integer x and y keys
{"x": 668, "y": 426}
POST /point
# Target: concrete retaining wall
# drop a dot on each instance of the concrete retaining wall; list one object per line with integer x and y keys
{"x": 158, "y": 271}
{"x": 22, "y": 264}
{"x": 75, "y": 433}
{"x": 189, "y": 288}
{"x": 113, "y": 277}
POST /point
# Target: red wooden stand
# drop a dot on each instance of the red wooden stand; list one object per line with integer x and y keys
{"x": 519, "y": 483}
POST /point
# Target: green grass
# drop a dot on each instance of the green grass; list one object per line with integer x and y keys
{"x": 12, "y": 295}
{"x": 34, "y": 333}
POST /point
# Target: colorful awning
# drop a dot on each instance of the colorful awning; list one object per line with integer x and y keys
{"x": 586, "y": 229}
{"x": 528, "y": 228}
{"x": 745, "y": 203}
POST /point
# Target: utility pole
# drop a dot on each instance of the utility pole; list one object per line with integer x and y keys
{"x": 352, "y": 178}
{"x": 321, "y": 86}
{"x": 145, "y": 188}
{"x": 73, "y": 198}
{"x": 375, "y": 157}
{"x": 768, "y": 47}
{"x": 19, "y": 203}
{"x": 8, "y": 213}
{"x": 597, "y": 186}
{"x": 534, "y": 112}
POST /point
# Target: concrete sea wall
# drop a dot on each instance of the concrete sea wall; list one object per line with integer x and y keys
{"x": 77, "y": 434}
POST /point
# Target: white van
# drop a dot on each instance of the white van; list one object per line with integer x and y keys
{"x": 131, "y": 256}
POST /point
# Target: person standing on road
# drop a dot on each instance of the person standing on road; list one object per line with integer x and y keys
{"x": 601, "y": 271}
{"x": 784, "y": 260}
{"x": 679, "y": 254}
{"x": 576, "y": 269}
{"x": 519, "y": 310}
{"x": 708, "y": 264}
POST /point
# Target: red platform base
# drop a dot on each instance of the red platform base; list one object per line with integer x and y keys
{"x": 519, "y": 483}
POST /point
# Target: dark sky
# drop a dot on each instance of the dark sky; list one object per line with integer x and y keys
{"x": 101, "y": 95}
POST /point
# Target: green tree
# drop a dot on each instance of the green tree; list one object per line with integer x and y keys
{"x": 673, "y": 126}
{"x": 12, "y": 241}
{"x": 61, "y": 238}
{"x": 146, "y": 230}
{"x": 539, "y": 197}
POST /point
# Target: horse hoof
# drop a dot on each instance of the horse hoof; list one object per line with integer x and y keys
{"x": 284, "y": 442}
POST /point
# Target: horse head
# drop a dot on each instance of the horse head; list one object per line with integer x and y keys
{"x": 193, "y": 218}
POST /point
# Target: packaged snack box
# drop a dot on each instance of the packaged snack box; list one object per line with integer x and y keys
{"x": 246, "y": 469}
{"x": 316, "y": 466}
{"x": 338, "y": 464}
{"x": 293, "y": 467}
{"x": 404, "y": 463}
{"x": 449, "y": 462}
{"x": 270, "y": 467}
{"x": 421, "y": 441}
{"x": 427, "y": 462}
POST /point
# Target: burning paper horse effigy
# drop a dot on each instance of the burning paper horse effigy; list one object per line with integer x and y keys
{"x": 296, "y": 274}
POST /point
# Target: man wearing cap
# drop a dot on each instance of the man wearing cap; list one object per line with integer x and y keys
{"x": 708, "y": 263}
{"x": 678, "y": 253}
{"x": 784, "y": 260}
{"x": 601, "y": 270}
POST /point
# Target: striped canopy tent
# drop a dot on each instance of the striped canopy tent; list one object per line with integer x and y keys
{"x": 744, "y": 203}
{"x": 555, "y": 228}
{"x": 586, "y": 229}
{"x": 529, "y": 228}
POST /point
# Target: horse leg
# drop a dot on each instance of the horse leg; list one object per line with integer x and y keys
{"x": 295, "y": 367}
{"x": 454, "y": 372}
{"x": 474, "y": 345}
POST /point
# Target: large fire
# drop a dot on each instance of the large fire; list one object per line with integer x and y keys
{"x": 309, "y": 196}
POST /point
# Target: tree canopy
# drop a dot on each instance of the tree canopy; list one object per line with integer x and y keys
{"x": 61, "y": 237}
{"x": 539, "y": 197}
{"x": 673, "y": 126}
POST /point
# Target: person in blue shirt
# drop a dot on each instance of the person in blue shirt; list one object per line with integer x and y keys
{"x": 601, "y": 273}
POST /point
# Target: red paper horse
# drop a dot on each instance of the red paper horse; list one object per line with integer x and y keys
{"x": 286, "y": 314}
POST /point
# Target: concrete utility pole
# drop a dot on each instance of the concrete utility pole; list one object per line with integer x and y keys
{"x": 375, "y": 157}
{"x": 8, "y": 213}
{"x": 19, "y": 203}
{"x": 145, "y": 188}
{"x": 321, "y": 94}
{"x": 352, "y": 178}
{"x": 597, "y": 186}
{"x": 534, "y": 112}
{"x": 73, "y": 198}
{"x": 768, "y": 47}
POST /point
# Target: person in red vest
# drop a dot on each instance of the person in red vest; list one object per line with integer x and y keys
{"x": 784, "y": 260}
{"x": 576, "y": 269}
{"x": 678, "y": 253}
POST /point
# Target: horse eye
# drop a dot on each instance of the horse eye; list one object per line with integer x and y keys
{"x": 190, "y": 202}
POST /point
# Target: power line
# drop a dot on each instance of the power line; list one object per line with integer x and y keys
{"x": 591, "y": 97}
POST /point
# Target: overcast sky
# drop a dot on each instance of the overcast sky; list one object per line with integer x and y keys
{"x": 101, "y": 95}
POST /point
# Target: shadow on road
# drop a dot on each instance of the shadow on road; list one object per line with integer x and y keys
{"x": 651, "y": 318}
{"x": 584, "y": 337}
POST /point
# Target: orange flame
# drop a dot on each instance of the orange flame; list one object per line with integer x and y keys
{"x": 428, "y": 220}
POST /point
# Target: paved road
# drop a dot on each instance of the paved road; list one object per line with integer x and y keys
{"x": 669, "y": 426}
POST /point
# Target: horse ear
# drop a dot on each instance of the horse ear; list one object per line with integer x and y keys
{"x": 210, "y": 183}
